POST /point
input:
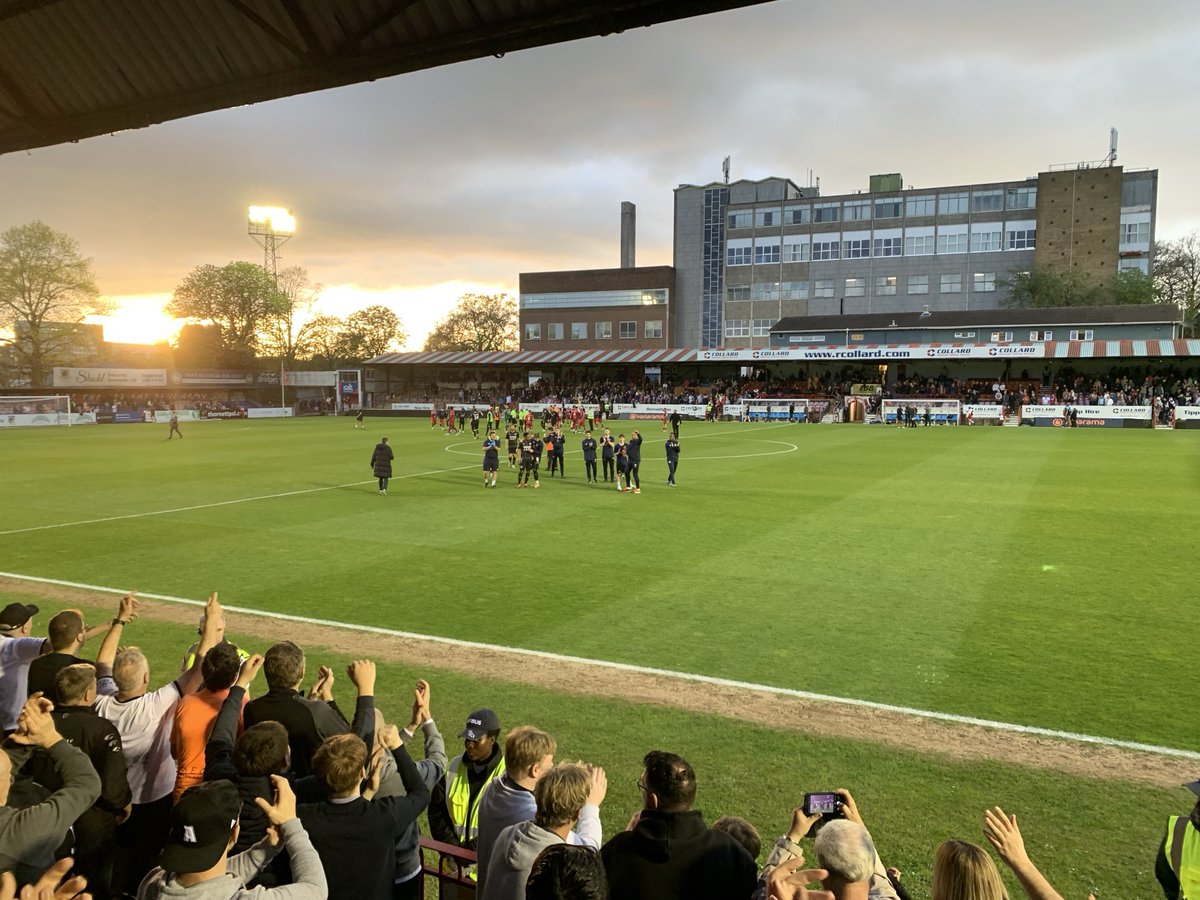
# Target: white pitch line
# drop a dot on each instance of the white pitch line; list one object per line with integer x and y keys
{"x": 180, "y": 509}
{"x": 1011, "y": 727}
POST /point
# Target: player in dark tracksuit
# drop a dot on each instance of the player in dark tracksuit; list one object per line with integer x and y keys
{"x": 556, "y": 452}
{"x": 589, "y": 456}
{"x": 608, "y": 454}
{"x": 635, "y": 461}
{"x": 675, "y": 420}
{"x": 530, "y": 451}
{"x": 672, "y": 459}
{"x": 512, "y": 437}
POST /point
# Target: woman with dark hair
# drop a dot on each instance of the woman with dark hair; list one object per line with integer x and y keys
{"x": 381, "y": 463}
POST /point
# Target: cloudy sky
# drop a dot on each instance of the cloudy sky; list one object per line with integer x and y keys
{"x": 416, "y": 189}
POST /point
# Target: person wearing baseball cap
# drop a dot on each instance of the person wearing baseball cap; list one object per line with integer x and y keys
{"x": 1178, "y": 865}
{"x": 17, "y": 651}
{"x": 454, "y": 807}
{"x": 195, "y": 862}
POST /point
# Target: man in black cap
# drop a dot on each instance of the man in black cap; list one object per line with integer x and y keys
{"x": 204, "y": 826}
{"x": 1178, "y": 865}
{"x": 17, "y": 651}
{"x": 454, "y": 807}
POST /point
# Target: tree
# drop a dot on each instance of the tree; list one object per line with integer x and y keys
{"x": 1177, "y": 276}
{"x": 1048, "y": 288}
{"x": 199, "y": 347}
{"x": 327, "y": 342}
{"x": 372, "y": 331}
{"x": 288, "y": 334}
{"x": 1131, "y": 287}
{"x": 479, "y": 322}
{"x": 46, "y": 290}
{"x": 241, "y": 299}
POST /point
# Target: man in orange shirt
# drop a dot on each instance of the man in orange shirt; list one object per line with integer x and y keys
{"x": 195, "y": 714}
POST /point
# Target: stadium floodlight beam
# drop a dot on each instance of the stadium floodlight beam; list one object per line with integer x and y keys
{"x": 271, "y": 227}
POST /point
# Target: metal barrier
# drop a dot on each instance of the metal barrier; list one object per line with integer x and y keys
{"x": 449, "y": 869}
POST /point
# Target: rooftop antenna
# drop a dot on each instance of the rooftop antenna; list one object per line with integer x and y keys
{"x": 725, "y": 168}
{"x": 1112, "y": 146}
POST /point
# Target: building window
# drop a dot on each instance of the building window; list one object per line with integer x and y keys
{"x": 765, "y": 290}
{"x": 1085, "y": 335}
{"x": 554, "y": 331}
{"x": 742, "y": 219}
{"x": 1021, "y": 238}
{"x": 951, "y": 241}
{"x": 797, "y": 215}
{"x": 987, "y": 201}
{"x": 737, "y": 328}
{"x": 825, "y": 250}
{"x": 1135, "y": 233}
{"x": 889, "y": 246}
{"x": 984, "y": 282}
{"x": 919, "y": 244}
{"x": 794, "y": 290}
{"x": 888, "y": 208}
{"x": 964, "y": 335}
{"x": 761, "y": 327}
{"x": 856, "y": 287}
{"x": 856, "y": 210}
{"x": 738, "y": 256}
{"x": 767, "y": 218}
{"x": 653, "y": 328}
{"x": 952, "y": 204}
{"x": 795, "y": 250}
{"x": 736, "y": 292}
{"x": 920, "y": 206}
{"x": 823, "y": 287}
{"x": 856, "y": 248}
{"x": 628, "y": 331}
{"x": 1001, "y": 337}
{"x": 918, "y": 284}
{"x": 766, "y": 254}
{"x": 579, "y": 331}
{"x": 604, "y": 331}
{"x": 1142, "y": 265}
{"x": 827, "y": 212}
{"x": 885, "y": 285}
{"x": 986, "y": 238}
{"x": 533, "y": 331}
{"x": 951, "y": 284}
{"x": 1041, "y": 335}
{"x": 1022, "y": 198}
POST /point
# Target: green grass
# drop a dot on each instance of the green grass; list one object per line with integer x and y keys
{"x": 1032, "y": 576}
{"x": 1083, "y": 833}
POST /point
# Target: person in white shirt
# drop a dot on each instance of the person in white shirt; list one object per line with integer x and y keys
{"x": 143, "y": 718}
{"x": 17, "y": 651}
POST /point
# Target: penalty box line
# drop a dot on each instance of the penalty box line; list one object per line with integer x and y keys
{"x": 180, "y": 509}
{"x": 954, "y": 718}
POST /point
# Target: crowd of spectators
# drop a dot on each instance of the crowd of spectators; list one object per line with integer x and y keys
{"x": 132, "y": 401}
{"x": 194, "y": 790}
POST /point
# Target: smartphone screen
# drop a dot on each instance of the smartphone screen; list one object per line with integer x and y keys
{"x": 821, "y": 804}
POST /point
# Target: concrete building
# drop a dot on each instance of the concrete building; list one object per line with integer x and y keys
{"x": 751, "y": 253}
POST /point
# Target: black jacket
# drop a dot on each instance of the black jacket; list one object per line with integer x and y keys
{"x": 308, "y": 722}
{"x": 44, "y": 669}
{"x": 635, "y": 450}
{"x": 672, "y": 451}
{"x": 589, "y": 449}
{"x": 100, "y": 742}
{"x": 675, "y": 855}
{"x": 381, "y": 460}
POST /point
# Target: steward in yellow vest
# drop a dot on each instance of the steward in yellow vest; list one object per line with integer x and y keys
{"x": 454, "y": 806}
{"x": 1178, "y": 864}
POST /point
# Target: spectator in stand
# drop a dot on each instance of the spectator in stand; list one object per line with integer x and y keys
{"x": 356, "y": 836}
{"x": 195, "y": 714}
{"x": 17, "y": 651}
{"x": 143, "y": 719}
{"x": 96, "y": 828}
{"x": 510, "y": 799}
{"x": 741, "y": 831}
{"x": 845, "y": 850}
{"x": 564, "y": 796}
{"x": 564, "y": 872}
{"x": 308, "y": 720}
{"x": 196, "y": 864}
{"x": 30, "y": 836}
{"x": 964, "y": 871}
{"x": 1178, "y": 865}
{"x": 454, "y": 808}
{"x": 67, "y": 634}
{"x": 668, "y": 852}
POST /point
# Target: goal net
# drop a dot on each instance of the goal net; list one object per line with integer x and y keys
{"x": 940, "y": 412}
{"x": 19, "y": 411}
{"x": 774, "y": 410}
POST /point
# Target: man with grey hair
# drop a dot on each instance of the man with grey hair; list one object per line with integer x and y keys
{"x": 143, "y": 718}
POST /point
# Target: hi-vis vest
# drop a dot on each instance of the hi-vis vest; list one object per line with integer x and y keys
{"x": 464, "y": 815}
{"x": 1183, "y": 853}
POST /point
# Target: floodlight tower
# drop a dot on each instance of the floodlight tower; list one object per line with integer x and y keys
{"x": 271, "y": 227}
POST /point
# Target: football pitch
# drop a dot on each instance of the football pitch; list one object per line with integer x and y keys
{"x": 1037, "y": 577}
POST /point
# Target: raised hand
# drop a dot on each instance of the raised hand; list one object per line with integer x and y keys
{"x": 788, "y": 881}
{"x": 250, "y": 669}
